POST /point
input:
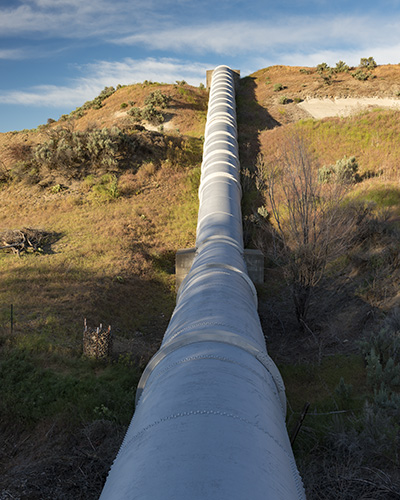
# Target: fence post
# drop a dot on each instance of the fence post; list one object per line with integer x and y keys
{"x": 12, "y": 318}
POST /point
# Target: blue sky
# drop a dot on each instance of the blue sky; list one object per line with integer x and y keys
{"x": 57, "y": 54}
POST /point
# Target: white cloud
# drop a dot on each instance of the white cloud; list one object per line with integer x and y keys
{"x": 243, "y": 37}
{"x": 382, "y": 55}
{"x": 71, "y": 18}
{"x": 11, "y": 54}
{"x": 160, "y": 70}
{"x": 107, "y": 73}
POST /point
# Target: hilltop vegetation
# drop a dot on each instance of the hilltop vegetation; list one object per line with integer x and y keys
{"x": 115, "y": 185}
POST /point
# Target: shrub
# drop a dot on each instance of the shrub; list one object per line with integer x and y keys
{"x": 360, "y": 75}
{"x": 57, "y": 188}
{"x": 327, "y": 78}
{"x": 278, "y": 87}
{"x": 322, "y": 67}
{"x": 382, "y": 354}
{"x": 344, "y": 171}
{"x": 123, "y": 105}
{"x": 325, "y": 174}
{"x": 368, "y": 62}
{"x": 152, "y": 114}
{"x": 74, "y": 152}
{"x": 325, "y": 72}
{"x": 341, "y": 67}
{"x": 136, "y": 114}
{"x": 283, "y": 100}
{"x": 157, "y": 98}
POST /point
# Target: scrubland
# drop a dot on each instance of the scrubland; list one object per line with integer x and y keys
{"x": 117, "y": 192}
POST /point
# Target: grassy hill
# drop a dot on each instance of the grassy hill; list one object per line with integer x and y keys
{"x": 115, "y": 185}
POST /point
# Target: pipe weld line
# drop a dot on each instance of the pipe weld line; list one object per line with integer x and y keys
{"x": 221, "y": 337}
{"x": 220, "y": 163}
{"x": 215, "y": 212}
{"x": 218, "y": 175}
{"x": 218, "y": 265}
{"x": 209, "y": 154}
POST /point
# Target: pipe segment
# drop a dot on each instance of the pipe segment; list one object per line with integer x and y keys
{"x": 209, "y": 423}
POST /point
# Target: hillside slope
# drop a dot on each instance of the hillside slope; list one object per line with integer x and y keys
{"x": 118, "y": 195}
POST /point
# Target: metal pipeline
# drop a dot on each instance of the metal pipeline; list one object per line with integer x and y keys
{"x": 209, "y": 422}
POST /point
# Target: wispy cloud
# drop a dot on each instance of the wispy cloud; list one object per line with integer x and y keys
{"x": 71, "y": 18}
{"x": 12, "y": 54}
{"x": 106, "y": 73}
{"x": 241, "y": 37}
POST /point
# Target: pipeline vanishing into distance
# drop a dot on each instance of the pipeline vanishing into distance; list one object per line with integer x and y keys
{"x": 210, "y": 410}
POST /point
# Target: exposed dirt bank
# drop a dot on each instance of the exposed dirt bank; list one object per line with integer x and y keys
{"x": 324, "y": 108}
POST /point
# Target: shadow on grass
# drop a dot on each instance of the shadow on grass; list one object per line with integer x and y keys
{"x": 252, "y": 119}
{"x": 50, "y": 301}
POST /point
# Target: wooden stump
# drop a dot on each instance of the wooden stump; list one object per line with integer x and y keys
{"x": 97, "y": 342}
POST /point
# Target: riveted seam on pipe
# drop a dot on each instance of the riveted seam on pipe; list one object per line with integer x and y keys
{"x": 202, "y": 357}
{"x": 204, "y": 412}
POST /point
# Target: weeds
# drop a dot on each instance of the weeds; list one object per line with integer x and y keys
{"x": 106, "y": 189}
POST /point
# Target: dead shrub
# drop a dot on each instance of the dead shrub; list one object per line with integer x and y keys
{"x": 19, "y": 151}
{"x": 311, "y": 224}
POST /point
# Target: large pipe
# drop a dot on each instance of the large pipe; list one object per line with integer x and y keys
{"x": 209, "y": 422}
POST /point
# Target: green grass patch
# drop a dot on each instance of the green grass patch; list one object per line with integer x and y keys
{"x": 317, "y": 383}
{"x": 370, "y": 136}
{"x": 85, "y": 390}
{"x": 383, "y": 196}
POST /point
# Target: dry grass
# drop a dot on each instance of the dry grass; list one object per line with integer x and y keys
{"x": 113, "y": 264}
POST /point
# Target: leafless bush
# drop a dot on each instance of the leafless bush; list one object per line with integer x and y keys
{"x": 311, "y": 226}
{"x": 19, "y": 151}
{"x": 344, "y": 477}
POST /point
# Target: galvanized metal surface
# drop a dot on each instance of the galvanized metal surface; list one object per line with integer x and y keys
{"x": 210, "y": 417}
